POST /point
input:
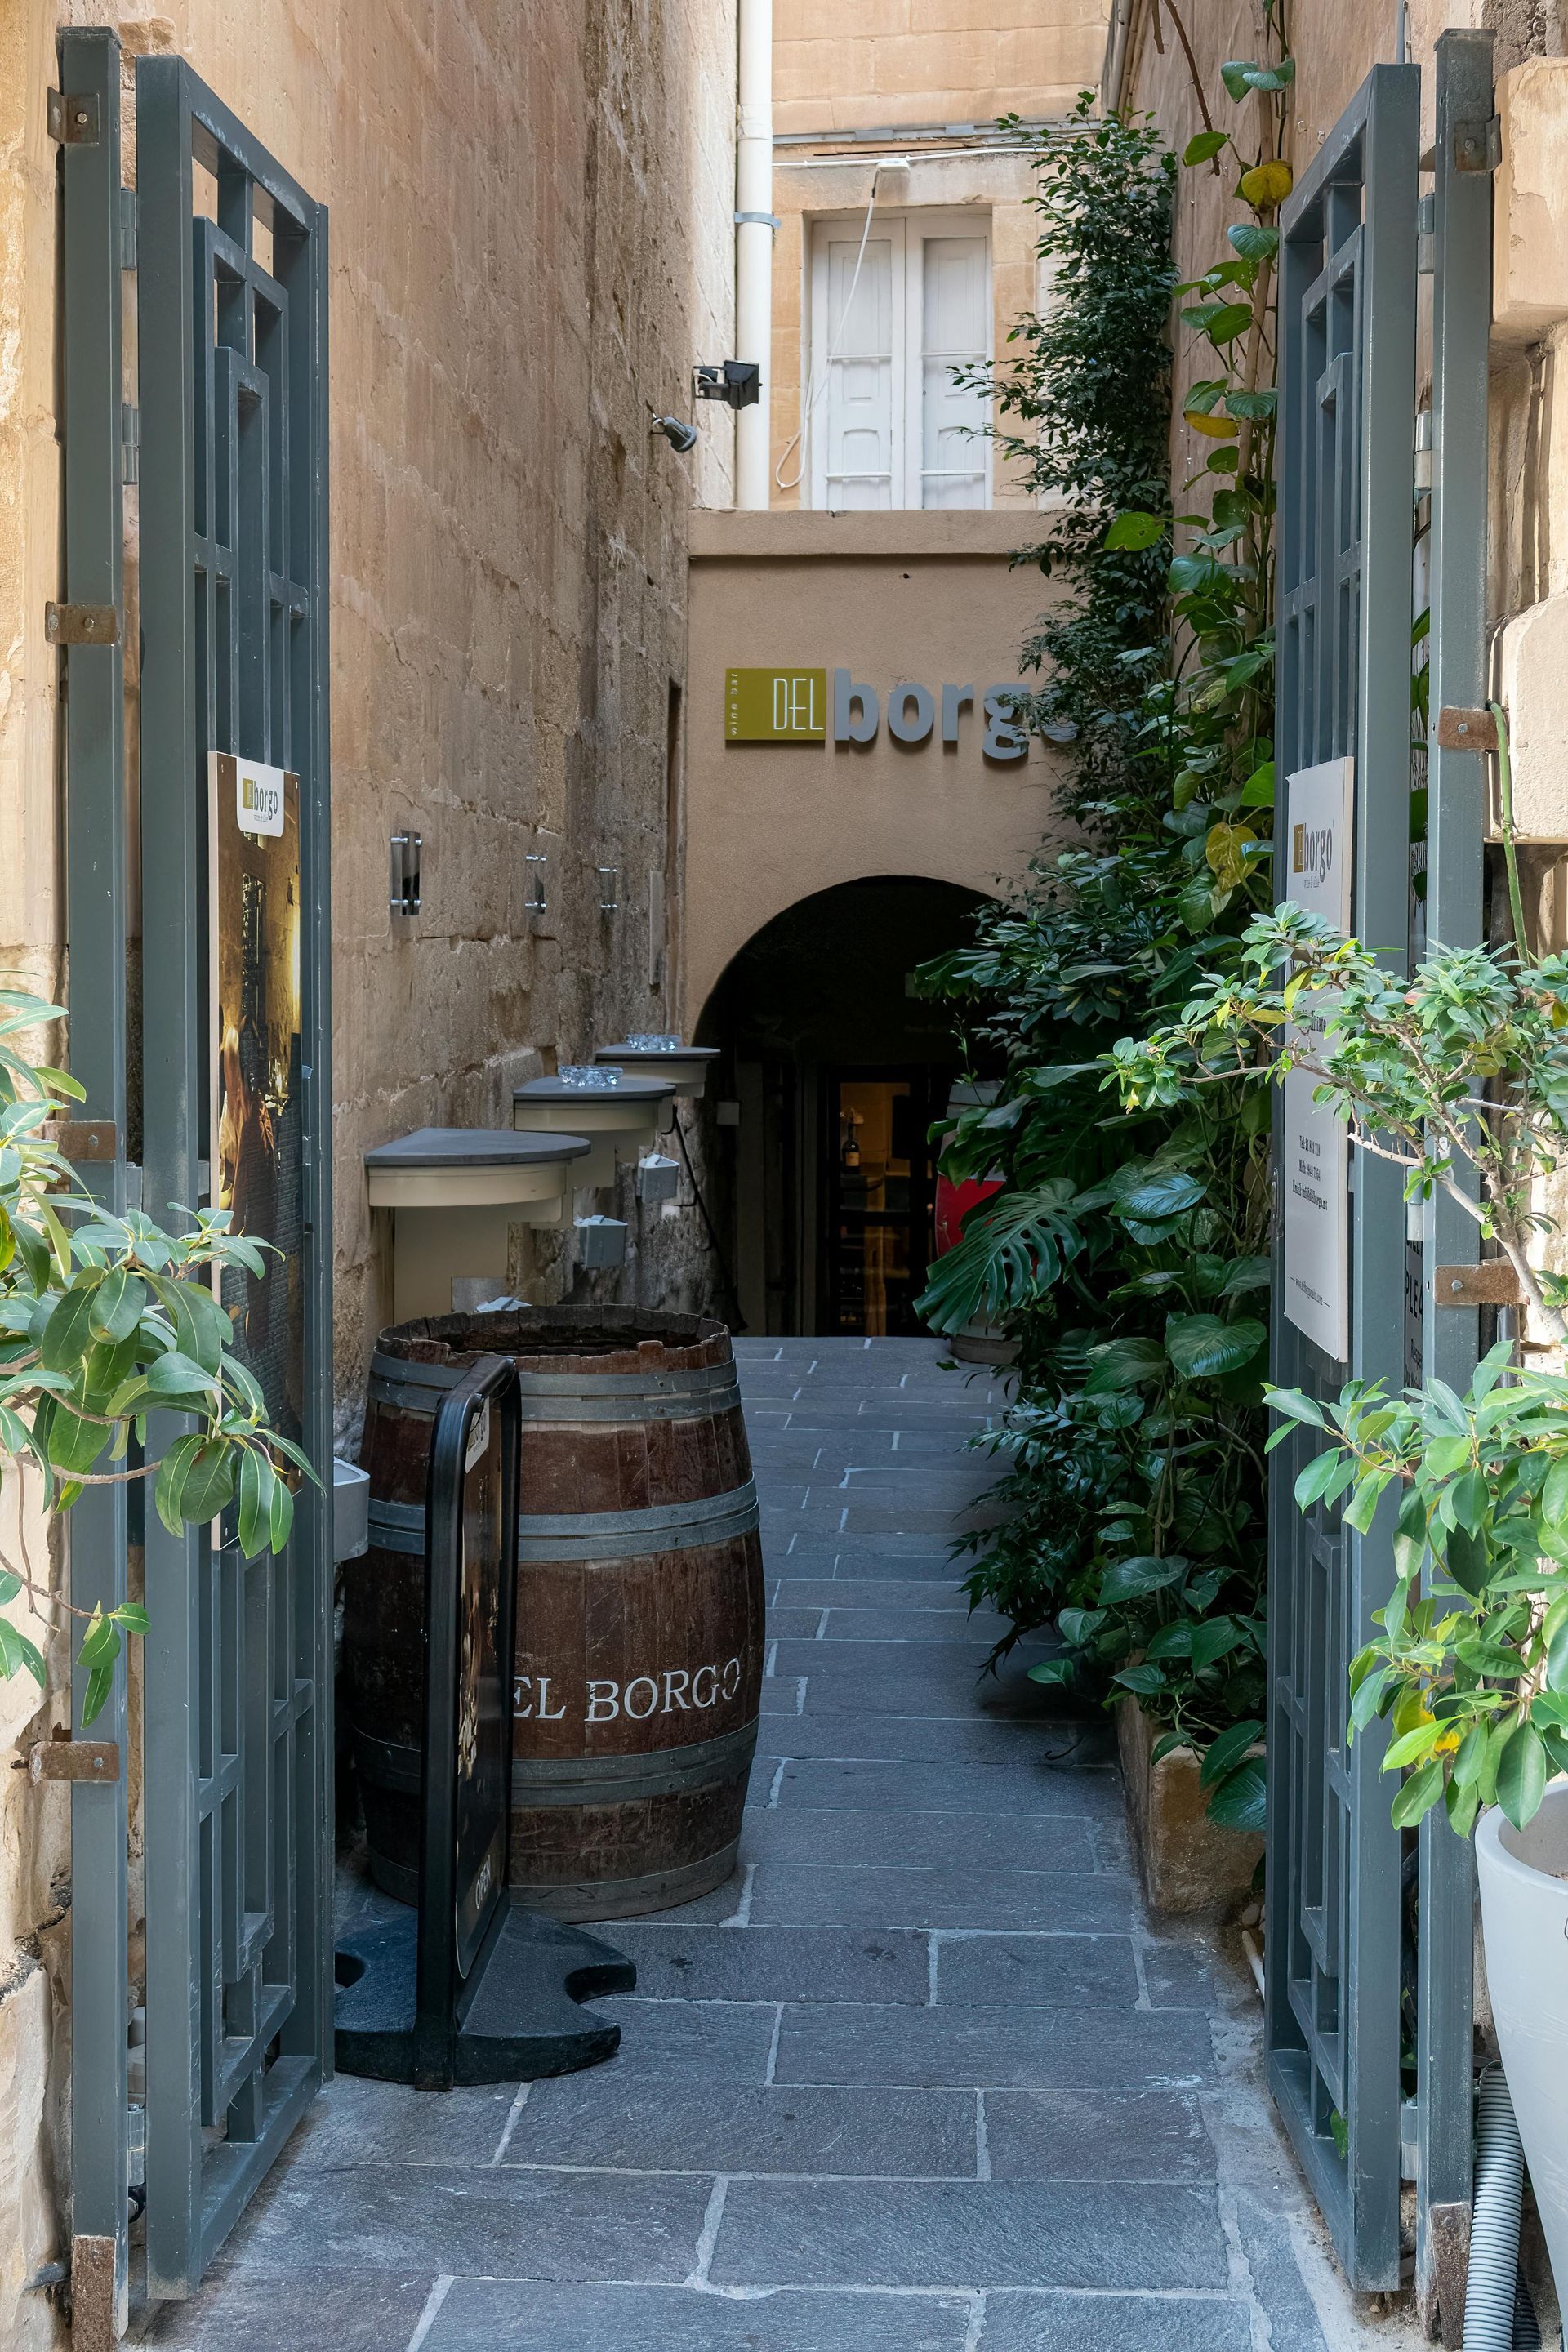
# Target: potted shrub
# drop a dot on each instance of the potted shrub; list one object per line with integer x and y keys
{"x": 1459, "y": 1075}
{"x": 1471, "y": 1668}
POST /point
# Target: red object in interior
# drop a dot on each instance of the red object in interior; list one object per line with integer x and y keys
{"x": 953, "y": 1202}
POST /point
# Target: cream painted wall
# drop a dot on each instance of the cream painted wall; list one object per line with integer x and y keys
{"x": 891, "y": 597}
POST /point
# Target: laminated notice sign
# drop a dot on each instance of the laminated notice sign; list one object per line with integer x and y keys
{"x": 1315, "y": 1157}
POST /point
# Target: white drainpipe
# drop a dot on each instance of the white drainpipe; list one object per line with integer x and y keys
{"x": 754, "y": 244}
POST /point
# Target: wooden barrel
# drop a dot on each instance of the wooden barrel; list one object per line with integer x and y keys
{"x": 639, "y": 1608}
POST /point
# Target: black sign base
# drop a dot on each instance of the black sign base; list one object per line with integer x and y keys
{"x": 522, "y": 2023}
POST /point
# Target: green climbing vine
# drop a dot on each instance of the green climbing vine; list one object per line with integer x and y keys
{"x": 1126, "y": 1254}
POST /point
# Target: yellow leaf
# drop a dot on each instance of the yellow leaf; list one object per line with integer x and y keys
{"x": 1224, "y": 848}
{"x": 1267, "y": 184}
{"x": 1410, "y": 1708}
{"x": 1218, "y": 428}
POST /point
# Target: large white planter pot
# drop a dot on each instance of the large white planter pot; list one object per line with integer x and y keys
{"x": 1523, "y": 1876}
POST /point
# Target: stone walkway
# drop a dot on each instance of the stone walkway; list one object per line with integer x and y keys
{"x": 921, "y": 2079}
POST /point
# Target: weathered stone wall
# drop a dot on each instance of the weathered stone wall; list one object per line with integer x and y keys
{"x": 886, "y": 61}
{"x": 531, "y": 243}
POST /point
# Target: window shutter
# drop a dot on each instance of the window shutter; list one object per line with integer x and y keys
{"x": 955, "y": 330}
{"x": 857, "y": 456}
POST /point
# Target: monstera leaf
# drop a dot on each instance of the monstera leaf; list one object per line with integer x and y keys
{"x": 1013, "y": 1250}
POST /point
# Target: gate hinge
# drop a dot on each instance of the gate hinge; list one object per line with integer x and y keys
{"x": 1425, "y": 233}
{"x": 1477, "y": 146}
{"x": 65, "y": 1759}
{"x": 81, "y": 624}
{"x": 1459, "y": 729}
{"x": 72, "y": 120}
{"x": 1492, "y": 1283}
{"x": 86, "y": 1139}
{"x": 128, "y": 228}
{"x": 129, "y": 441}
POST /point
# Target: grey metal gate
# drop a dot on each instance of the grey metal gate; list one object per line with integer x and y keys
{"x": 1457, "y": 217}
{"x": 231, "y": 281}
{"x": 232, "y": 333}
{"x": 1343, "y": 2005}
{"x": 1347, "y": 360}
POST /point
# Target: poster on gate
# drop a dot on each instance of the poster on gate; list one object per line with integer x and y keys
{"x": 1315, "y": 1158}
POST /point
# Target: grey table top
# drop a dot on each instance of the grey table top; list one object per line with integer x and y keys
{"x": 637, "y": 1086}
{"x": 651, "y": 1056}
{"x": 476, "y": 1147}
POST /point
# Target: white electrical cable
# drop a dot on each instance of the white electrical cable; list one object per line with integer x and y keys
{"x": 808, "y": 404}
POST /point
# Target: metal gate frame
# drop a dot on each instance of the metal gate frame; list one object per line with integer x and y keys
{"x": 234, "y": 615}
{"x": 96, "y": 826}
{"x": 236, "y": 1717}
{"x": 1347, "y": 378}
{"x": 1461, "y": 265}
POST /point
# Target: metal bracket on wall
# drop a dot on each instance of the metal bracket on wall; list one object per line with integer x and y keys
{"x": 86, "y": 1139}
{"x": 81, "y": 624}
{"x": 1477, "y": 146}
{"x": 1492, "y": 1283}
{"x": 1466, "y": 730}
{"x": 74, "y": 121}
{"x": 65, "y": 1759}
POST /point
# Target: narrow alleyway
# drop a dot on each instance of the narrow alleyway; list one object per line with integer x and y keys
{"x": 922, "y": 2079}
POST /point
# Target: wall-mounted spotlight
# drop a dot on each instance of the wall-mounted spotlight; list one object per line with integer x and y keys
{"x": 680, "y": 437}
{"x": 403, "y": 891}
{"x": 738, "y": 381}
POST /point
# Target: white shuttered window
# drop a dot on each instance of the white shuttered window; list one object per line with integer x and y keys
{"x": 889, "y": 426}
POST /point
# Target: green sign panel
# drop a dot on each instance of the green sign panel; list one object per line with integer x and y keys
{"x": 776, "y": 705}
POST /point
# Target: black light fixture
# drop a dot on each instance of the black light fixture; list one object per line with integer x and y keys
{"x": 679, "y": 435}
{"x": 738, "y": 381}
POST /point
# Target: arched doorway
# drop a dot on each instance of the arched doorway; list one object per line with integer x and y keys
{"x": 834, "y": 1072}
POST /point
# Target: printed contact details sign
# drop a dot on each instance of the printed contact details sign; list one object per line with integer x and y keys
{"x": 1315, "y": 1168}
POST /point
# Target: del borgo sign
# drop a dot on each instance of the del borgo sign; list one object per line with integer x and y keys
{"x": 803, "y": 706}
{"x": 1315, "y": 1158}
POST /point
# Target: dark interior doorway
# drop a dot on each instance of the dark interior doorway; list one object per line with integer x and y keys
{"x": 833, "y": 1071}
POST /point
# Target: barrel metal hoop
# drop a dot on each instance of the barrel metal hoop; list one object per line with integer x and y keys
{"x": 622, "y": 1780}
{"x": 592, "y": 1534}
{"x": 541, "y": 1780}
{"x": 698, "y": 1393}
{"x": 387, "y": 1763}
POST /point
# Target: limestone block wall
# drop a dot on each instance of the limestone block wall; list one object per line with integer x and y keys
{"x": 531, "y": 243}
{"x": 894, "y": 61}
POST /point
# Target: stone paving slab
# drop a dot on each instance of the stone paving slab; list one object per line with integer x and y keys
{"x": 598, "y": 2120}
{"x": 974, "y": 2233}
{"x": 367, "y": 2310}
{"x": 972, "y": 1783}
{"x": 989, "y": 1842}
{"x": 1011, "y": 1972}
{"x": 920, "y": 2077}
{"x": 1035, "y": 2049}
{"x": 898, "y": 1895}
{"x": 680, "y": 1961}
{"x": 480, "y": 2220}
{"x": 1116, "y": 2323}
{"x": 1084, "y": 2135}
{"x": 478, "y": 2316}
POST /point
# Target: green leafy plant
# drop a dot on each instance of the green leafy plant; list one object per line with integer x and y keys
{"x": 1127, "y": 1259}
{"x": 1458, "y": 1074}
{"x": 1470, "y": 1663}
{"x": 105, "y": 1320}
